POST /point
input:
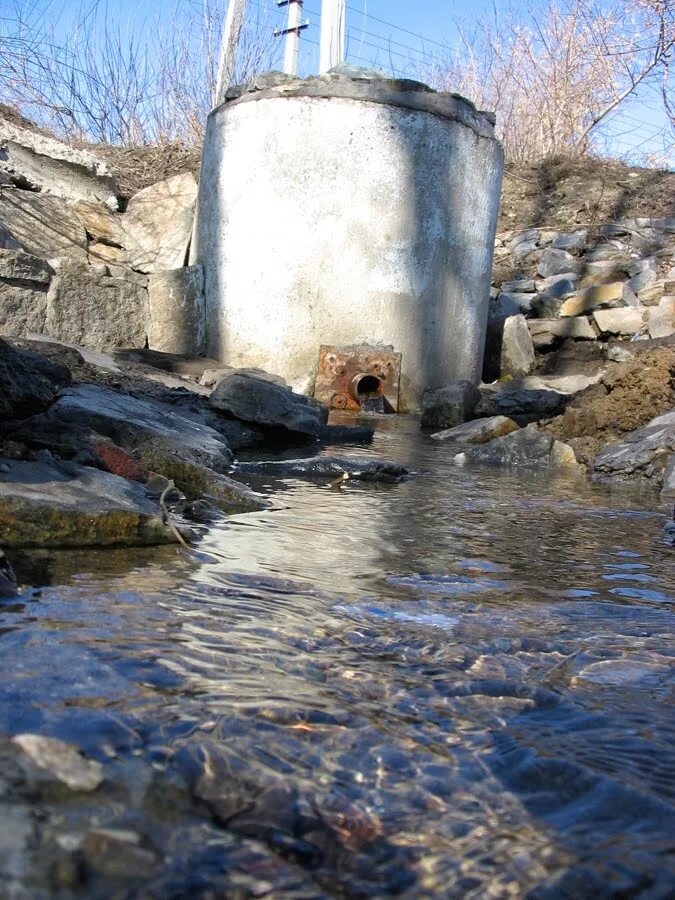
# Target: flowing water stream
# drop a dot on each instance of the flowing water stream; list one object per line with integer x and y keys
{"x": 458, "y": 686}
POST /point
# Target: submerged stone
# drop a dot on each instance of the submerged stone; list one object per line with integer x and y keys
{"x": 320, "y": 467}
{"x": 63, "y": 762}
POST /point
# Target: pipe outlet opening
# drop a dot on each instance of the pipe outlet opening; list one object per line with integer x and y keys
{"x": 365, "y": 385}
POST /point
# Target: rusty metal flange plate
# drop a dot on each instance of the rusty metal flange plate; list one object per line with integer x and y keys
{"x": 348, "y": 376}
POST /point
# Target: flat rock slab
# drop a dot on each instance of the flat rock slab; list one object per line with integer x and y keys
{"x": 263, "y": 402}
{"x": 528, "y": 448}
{"x": 480, "y": 431}
{"x": 147, "y": 427}
{"x": 53, "y": 167}
{"x": 545, "y": 332}
{"x": 158, "y": 224}
{"x": 65, "y": 505}
{"x": 359, "y": 468}
{"x": 644, "y": 452}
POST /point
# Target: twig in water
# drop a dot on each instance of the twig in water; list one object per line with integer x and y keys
{"x": 167, "y": 516}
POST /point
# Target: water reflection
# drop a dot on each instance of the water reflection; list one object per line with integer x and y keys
{"x": 456, "y": 686}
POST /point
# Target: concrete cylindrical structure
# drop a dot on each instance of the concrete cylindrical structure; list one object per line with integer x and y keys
{"x": 346, "y": 211}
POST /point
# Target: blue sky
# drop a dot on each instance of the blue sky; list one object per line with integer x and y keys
{"x": 392, "y": 43}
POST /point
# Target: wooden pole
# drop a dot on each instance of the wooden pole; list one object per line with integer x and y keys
{"x": 332, "y": 34}
{"x": 234, "y": 21}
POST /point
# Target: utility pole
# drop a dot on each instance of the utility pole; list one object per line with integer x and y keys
{"x": 292, "y": 34}
{"x": 332, "y": 34}
{"x": 228, "y": 48}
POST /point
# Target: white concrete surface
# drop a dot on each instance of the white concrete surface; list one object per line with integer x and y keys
{"x": 343, "y": 221}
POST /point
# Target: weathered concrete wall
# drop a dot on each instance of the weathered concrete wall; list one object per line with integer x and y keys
{"x": 347, "y": 212}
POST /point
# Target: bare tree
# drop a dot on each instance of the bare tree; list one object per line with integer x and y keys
{"x": 130, "y": 83}
{"x": 554, "y": 74}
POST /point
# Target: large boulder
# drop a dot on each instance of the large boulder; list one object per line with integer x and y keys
{"x": 624, "y": 320}
{"x": 42, "y": 225}
{"x": 41, "y": 163}
{"x": 524, "y": 449}
{"x": 28, "y": 383}
{"x": 642, "y": 453}
{"x": 85, "y": 306}
{"x": 450, "y": 405}
{"x": 65, "y": 505}
{"x": 158, "y": 224}
{"x": 177, "y": 315}
{"x": 262, "y": 402}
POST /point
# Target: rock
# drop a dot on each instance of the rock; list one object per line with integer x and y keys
{"x": 506, "y": 305}
{"x": 661, "y": 318}
{"x": 62, "y": 762}
{"x": 450, "y": 405}
{"x": 18, "y": 266}
{"x": 641, "y": 280}
{"x": 115, "y": 257}
{"x": 558, "y": 285}
{"x": 652, "y": 294}
{"x": 118, "y": 854}
{"x": 8, "y": 586}
{"x": 65, "y": 505}
{"x": 28, "y": 384}
{"x": 42, "y": 225}
{"x": 252, "y": 398}
{"x": 591, "y": 298}
{"x": 620, "y": 321}
{"x": 144, "y": 427}
{"x": 523, "y": 406}
{"x": 520, "y": 251}
{"x": 602, "y": 268}
{"x": 44, "y": 164}
{"x": 517, "y": 351}
{"x": 100, "y": 223}
{"x": 346, "y": 434}
{"x": 526, "y": 448}
{"x": 87, "y": 307}
{"x": 23, "y": 308}
{"x": 519, "y": 286}
{"x": 668, "y": 487}
{"x": 524, "y": 237}
{"x": 158, "y": 224}
{"x": 635, "y": 266}
{"x": 329, "y": 467}
{"x": 644, "y": 452}
{"x": 177, "y": 315}
{"x": 546, "y": 307}
{"x": 576, "y": 240}
{"x": 546, "y": 332}
{"x": 557, "y": 262}
{"x": 479, "y": 431}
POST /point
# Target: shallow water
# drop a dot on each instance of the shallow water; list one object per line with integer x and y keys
{"x": 457, "y": 686}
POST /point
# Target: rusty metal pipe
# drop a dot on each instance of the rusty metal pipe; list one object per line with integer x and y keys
{"x": 365, "y": 385}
